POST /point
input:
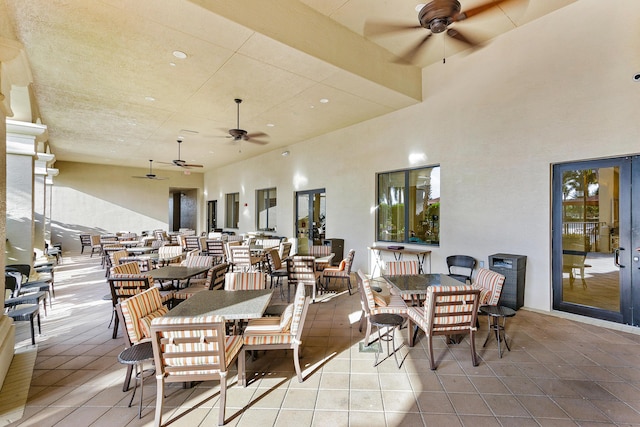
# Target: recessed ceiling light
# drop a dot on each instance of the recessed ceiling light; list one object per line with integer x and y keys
{"x": 270, "y": 125}
{"x": 285, "y": 153}
{"x": 173, "y": 64}
{"x": 324, "y": 101}
{"x": 311, "y": 106}
{"x": 149, "y": 98}
{"x": 419, "y": 7}
{"x": 179, "y": 54}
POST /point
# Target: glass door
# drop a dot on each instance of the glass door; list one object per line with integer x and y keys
{"x": 596, "y": 239}
{"x": 310, "y": 219}
{"x": 212, "y": 219}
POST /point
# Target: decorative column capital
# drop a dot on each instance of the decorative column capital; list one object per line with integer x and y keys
{"x": 21, "y": 137}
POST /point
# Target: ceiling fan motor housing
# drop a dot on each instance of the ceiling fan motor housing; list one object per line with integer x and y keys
{"x": 438, "y": 15}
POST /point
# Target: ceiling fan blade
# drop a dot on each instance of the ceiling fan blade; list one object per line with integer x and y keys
{"x": 372, "y": 28}
{"x": 188, "y": 165}
{"x": 256, "y": 135}
{"x": 455, "y": 34}
{"x": 477, "y": 10}
{"x": 408, "y": 56}
{"x": 257, "y": 141}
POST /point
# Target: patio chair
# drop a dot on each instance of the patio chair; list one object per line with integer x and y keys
{"x": 85, "y": 242}
{"x": 15, "y": 300}
{"x": 275, "y": 269}
{"x": 125, "y": 286}
{"x": 278, "y": 332}
{"x": 449, "y": 311}
{"x": 401, "y": 268}
{"x": 342, "y": 271}
{"x": 461, "y": 267}
{"x": 376, "y": 303}
{"x": 319, "y": 251}
{"x": 169, "y": 254}
{"x": 41, "y": 282}
{"x": 213, "y": 281}
{"x": 301, "y": 269}
{"x": 215, "y": 248}
{"x": 243, "y": 258}
{"x": 193, "y": 349}
{"x": 96, "y": 245}
{"x": 285, "y": 250}
{"x": 229, "y": 256}
{"x": 135, "y": 314}
{"x": 490, "y": 284}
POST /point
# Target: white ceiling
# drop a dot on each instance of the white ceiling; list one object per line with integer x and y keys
{"x": 96, "y": 63}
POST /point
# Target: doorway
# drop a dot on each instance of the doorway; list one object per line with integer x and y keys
{"x": 596, "y": 239}
{"x": 310, "y": 219}
{"x": 212, "y": 215}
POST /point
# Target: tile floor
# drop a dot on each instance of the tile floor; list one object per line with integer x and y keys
{"x": 558, "y": 373}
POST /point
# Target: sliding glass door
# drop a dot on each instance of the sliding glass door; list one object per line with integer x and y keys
{"x": 596, "y": 239}
{"x": 310, "y": 219}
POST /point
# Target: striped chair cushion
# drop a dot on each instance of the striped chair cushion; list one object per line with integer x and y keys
{"x": 453, "y": 310}
{"x": 396, "y": 305}
{"x": 186, "y": 293}
{"x": 136, "y": 285}
{"x": 490, "y": 284}
{"x": 320, "y": 250}
{"x": 126, "y": 268}
{"x": 401, "y": 268}
{"x": 266, "y": 330}
{"x": 298, "y": 307}
{"x": 198, "y": 261}
{"x": 243, "y": 281}
{"x": 286, "y": 317}
{"x": 336, "y": 271}
{"x": 141, "y": 306}
{"x": 233, "y": 343}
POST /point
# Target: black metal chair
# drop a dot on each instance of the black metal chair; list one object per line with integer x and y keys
{"x": 458, "y": 265}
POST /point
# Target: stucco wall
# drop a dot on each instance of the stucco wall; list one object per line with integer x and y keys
{"x": 90, "y": 198}
{"x": 495, "y": 121}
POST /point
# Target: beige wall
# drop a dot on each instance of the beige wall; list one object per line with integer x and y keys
{"x": 495, "y": 120}
{"x": 98, "y": 198}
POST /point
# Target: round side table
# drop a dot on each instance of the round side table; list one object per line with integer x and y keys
{"x": 389, "y": 321}
{"x": 494, "y": 314}
{"x": 136, "y": 355}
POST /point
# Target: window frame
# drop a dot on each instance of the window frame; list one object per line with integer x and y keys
{"x": 410, "y": 199}
{"x": 262, "y": 195}
{"x": 232, "y": 210}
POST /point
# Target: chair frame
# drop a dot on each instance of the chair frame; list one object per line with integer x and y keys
{"x": 461, "y": 261}
{"x": 335, "y": 273}
{"x": 197, "y": 371}
{"x": 440, "y": 320}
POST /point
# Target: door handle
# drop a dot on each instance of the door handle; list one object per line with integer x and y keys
{"x": 616, "y": 258}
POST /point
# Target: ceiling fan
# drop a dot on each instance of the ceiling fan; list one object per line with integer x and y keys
{"x": 181, "y": 163}
{"x": 242, "y": 135}
{"x": 435, "y": 16}
{"x": 150, "y": 175}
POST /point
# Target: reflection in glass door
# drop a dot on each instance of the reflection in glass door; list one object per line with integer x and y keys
{"x": 310, "y": 219}
{"x": 594, "y": 263}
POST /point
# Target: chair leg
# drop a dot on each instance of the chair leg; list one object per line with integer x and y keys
{"x": 242, "y": 371}
{"x": 33, "y": 336}
{"x": 127, "y": 379}
{"x": 157, "y": 422}
{"x": 432, "y": 364}
{"x": 223, "y": 399}
{"x": 349, "y": 284}
{"x": 474, "y": 356}
{"x": 296, "y": 363}
{"x": 367, "y": 334}
{"x": 116, "y": 323}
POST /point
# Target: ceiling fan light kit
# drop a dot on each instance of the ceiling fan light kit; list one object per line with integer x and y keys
{"x": 151, "y": 175}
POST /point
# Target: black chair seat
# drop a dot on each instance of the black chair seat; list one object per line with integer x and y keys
{"x": 29, "y": 298}
{"x": 24, "y": 313}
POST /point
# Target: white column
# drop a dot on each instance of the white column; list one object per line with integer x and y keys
{"x": 42, "y": 215}
{"x": 21, "y": 152}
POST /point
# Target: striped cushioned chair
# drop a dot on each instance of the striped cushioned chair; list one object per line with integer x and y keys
{"x": 447, "y": 310}
{"x": 169, "y": 254}
{"x": 136, "y": 314}
{"x": 301, "y": 269}
{"x": 197, "y": 261}
{"x": 342, "y": 271}
{"x": 193, "y": 349}
{"x": 373, "y": 303}
{"x": 126, "y": 268}
{"x": 214, "y": 280}
{"x": 125, "y": 286}
{"x": 319, "y": 251}
{"x": 278, "y": 332}
{"x": 245, "y": 281}
{"x": 490, "y": 285}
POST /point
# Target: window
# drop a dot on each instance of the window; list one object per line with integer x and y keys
{"x": 409, "y": 206}
{"x": 232, "y": 210}
{"x": 266, "y": 209}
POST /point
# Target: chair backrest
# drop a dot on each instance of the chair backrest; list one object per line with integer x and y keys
{"x": 11, "y": 283}
{"x": 169, "y": 251}
{"x": 191, "y": 243}
{"x": 216, "y": 276}
{"x": 268, "y": 243}
{"x": 461, "y": 265}
{"x": 320, "y": 250}
{"x": 451, "y": 309}
{"x": 192, "y": 348}
{"x": 22, "y": 269}
{"x": 301, "y": 269}
{"x": 490, "y": 284}
{"x": 300, "y": 307}
{"x": 126, "y": 268}
{"x": 95, "y": 240}
{"x": 137, "y": 313}
{"x": 401, "y": 268}
{"x": 85, "y": 239}
{"x": 242, "y": 258}
{"x": 116, "y": 255}
{"x": 143, "y": 264}
{"x": 349, "y": 260}
{"x": 228, "y": 246}
{"x": 215, "y": 248}
{"x": 124, "y": 286}
{"x": 198, "y": 261}
{"x": 244, "y": 281}
{"x": 285, "y": 249}
{"x": 273, "y": 259}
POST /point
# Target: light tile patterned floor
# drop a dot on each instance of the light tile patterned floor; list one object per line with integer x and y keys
{"x": 558, "y": 373}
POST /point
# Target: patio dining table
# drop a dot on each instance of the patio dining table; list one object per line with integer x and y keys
{"x": 175, "y": 274}
{"x": 414, "y": 286}
{"x": 233, "y": 305}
